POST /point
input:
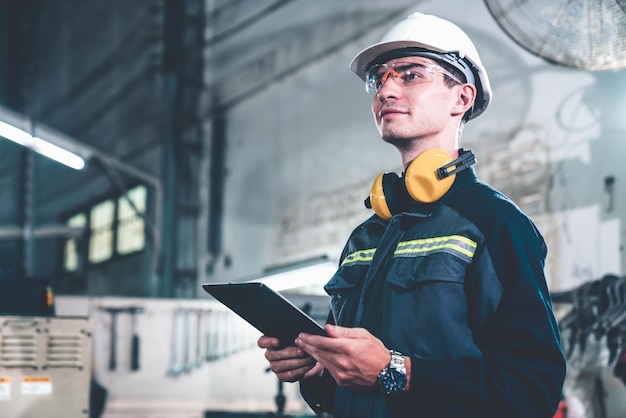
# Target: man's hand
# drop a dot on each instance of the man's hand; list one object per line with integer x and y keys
{"x": 353, "y": 356}
{"x": 290, "y": 364}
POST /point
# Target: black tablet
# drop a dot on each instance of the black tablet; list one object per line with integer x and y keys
{"x": 265, "y": 309}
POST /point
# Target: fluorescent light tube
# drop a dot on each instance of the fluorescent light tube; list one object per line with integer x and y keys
{"x": 58, "y": 154}
{"x": 16, "y": 135}
{"x": 41, "y": 146}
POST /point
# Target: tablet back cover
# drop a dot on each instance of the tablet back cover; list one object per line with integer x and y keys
{"x": 266, "y": 310}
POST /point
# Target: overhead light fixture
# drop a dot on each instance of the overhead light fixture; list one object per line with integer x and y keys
{"x": 46, "y": 142}
{"x": 302, "y": 275}
{"x": 41, "y": 146}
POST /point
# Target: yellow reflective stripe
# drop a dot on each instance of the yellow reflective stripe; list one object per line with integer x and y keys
{"x": 458, "y": 245}
{"x": 359, "y": 257}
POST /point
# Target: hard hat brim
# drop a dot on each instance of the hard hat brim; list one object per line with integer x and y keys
{"x": 364, "y": 59}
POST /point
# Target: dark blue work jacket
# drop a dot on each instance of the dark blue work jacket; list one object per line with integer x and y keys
{"x": 458, "y": 286}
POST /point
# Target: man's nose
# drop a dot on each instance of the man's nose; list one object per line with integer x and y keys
{"x": 389, "y": 72}
{"x": 388, "y": 89}
{"x": 385, "y": 77}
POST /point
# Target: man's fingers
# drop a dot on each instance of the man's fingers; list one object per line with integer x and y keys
{"x": 335, "y": 342}
{"x": 285, "y": 353}
{"x": 317, "y": 370}
{"x": 293, "y": 369}
{"x": 335, "y": 331}
{"x": 313, "y": 344}
{"x": 293, "y": 375}
{"x": 293, "y": 364}
{"x": 268, "y": 342}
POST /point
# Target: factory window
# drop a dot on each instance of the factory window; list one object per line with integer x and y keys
{"x": 71, "y": 245}
{"x": 130, "y": 221}
{"x": 101, "y": 231}
{"x": 116, "y": 227}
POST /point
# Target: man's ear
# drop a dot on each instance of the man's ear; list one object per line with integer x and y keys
{"x": 465, "y": 98}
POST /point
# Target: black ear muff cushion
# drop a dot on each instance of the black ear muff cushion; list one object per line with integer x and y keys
{"x": 395, "y": 194}
{"x": 388, "y": 195}
{"x": 421, "y": 180}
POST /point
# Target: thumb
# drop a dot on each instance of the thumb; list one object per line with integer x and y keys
{"x": 336, "y": 331}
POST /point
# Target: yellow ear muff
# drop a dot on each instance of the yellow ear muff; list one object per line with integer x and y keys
{"x": 377, "y": 199}
{"x": 421, "y": 179}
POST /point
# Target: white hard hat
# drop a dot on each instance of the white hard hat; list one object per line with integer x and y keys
{"x": 434, "y": 38}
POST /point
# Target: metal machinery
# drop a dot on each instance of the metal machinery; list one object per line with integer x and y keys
{"x": 45, "y": 367}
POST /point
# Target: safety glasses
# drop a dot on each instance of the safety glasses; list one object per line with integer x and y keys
{"x": 405, "y": 73}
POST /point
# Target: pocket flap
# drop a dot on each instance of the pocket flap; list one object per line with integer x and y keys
{"x": 407, "y": 272}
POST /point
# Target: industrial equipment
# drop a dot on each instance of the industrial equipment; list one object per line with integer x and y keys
{"x": 45, "y": 366}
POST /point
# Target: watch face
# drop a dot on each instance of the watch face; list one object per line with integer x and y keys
{"x": 399, "y": 377}
{"x": 393, "y": 377}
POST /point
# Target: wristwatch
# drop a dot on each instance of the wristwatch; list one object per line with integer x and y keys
{"x": 392, "y": 378}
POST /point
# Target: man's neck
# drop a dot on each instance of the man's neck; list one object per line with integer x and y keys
{"x": 408, "y": 154}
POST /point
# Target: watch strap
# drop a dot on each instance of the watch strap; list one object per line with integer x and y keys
{"x": 392, "y": 378}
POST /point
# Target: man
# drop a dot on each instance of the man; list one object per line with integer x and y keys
{"x": 440, "y": 307}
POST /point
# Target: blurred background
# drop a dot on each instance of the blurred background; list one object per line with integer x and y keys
{"x": 150, "y": 146}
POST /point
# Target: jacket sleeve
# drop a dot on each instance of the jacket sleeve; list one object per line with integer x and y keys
{"x": 522, "y": 368}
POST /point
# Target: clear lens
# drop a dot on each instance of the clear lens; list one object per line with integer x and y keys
{"x": 404, "y": 73}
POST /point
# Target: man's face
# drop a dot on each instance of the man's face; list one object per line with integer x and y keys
{"x": 412, "y": 100}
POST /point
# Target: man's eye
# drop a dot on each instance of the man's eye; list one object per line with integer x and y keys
{"x": 410, "y": 75}
{"x": 379, "y": 79}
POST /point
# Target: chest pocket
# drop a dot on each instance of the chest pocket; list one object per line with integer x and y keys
{"x": 441, "y": 259}
{"x": 344, "y": 289}
{"x": 409, "y": 272}
{"x": 421, "y": 287}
